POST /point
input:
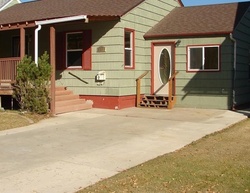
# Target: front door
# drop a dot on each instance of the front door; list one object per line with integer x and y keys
{"x": 162, "y": 67}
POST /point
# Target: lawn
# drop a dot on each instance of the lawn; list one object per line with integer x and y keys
{"x": 217, "y": 163}
{"x": 14, "y": 119}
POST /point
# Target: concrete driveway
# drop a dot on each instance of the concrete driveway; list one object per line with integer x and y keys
{"x": 74, "y": 150}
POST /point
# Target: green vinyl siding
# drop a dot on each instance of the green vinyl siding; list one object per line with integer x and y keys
{"x": 242, "y": 79}
{"x": 204, "y": 89}
{"x": 110, "y": 36}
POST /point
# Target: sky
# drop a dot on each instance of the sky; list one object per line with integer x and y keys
{"x": 196, "y": 2}
{"x": 206, "y": 2}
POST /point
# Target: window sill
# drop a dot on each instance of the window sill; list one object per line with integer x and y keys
{"x": 203, "y": 70}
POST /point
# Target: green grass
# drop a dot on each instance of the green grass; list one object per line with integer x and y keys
{"x": 217, "y": 163}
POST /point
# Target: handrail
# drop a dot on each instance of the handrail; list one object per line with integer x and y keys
{"x": 173, "y": 76}
{"x": 138, "y": 88}
{"x": 77, "y": 77}
{"x": 171, "y": 98}
{"x": 142, "y": 76}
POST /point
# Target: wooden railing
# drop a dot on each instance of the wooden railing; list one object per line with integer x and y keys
{"x": 138, "y": 88}
{"x": 171, "y": 91}
{"x": 8, "y": 69}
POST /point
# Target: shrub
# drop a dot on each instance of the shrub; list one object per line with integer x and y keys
{"x": 32, "y": 84}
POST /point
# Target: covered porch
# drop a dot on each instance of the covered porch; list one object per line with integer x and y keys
{"x": 21, "y": 40}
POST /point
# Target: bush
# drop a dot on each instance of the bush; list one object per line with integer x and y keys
{"x": 32, "y": 84}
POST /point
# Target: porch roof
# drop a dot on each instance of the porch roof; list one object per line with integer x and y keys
{"x": 50, "y": 9}
{"x": 200, "y": 20}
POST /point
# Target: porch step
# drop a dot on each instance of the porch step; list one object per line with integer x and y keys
{"x": 6, "y": 87}
{"x": 66, "y": 101}
{"x": 155, "y": 101}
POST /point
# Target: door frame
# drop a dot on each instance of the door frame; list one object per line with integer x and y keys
{"x": 167, "y": 43}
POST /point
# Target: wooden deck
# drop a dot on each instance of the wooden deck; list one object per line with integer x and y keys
{"x": 8, "y": 71}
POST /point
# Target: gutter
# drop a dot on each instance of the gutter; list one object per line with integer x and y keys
{"x": 234, "y": 69}
{"x": 53, "y": 21}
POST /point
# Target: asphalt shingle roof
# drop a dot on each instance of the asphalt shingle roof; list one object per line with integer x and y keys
{"x": 48, "y": 9}
{"x": 200, "y": 20}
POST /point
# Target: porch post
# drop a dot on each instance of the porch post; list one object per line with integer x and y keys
{"x": 53, "y": 65}
{"x": 22, "y": 42}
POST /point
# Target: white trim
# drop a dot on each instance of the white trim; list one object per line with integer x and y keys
{"x": 204, "y": 58}
{"x": 60, "y": 20}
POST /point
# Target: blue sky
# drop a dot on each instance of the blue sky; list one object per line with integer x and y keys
{"x": 205, "y": 2}
{"x": 196, "y": 2}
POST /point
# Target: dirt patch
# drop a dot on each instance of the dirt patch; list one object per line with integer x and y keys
{"x": 14, "y": 119}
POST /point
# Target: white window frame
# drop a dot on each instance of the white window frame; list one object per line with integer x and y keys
{"x": 72, "y": 50}
{"x": 130, "y": 49}
{"x": 203, "y": 58}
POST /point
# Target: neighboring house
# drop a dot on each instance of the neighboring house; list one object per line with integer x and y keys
{"x": 100, "y": 47}
{"x": 4, "y": 4}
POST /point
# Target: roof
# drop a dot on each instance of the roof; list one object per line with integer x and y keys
{"x": 200, "y": 20}
{"x": 50, "y": 9}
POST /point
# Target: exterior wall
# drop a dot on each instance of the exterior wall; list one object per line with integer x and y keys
{"x": 110, "y": 35}
{"x": 242, "y": 76}
{"x": 204, "y": 89}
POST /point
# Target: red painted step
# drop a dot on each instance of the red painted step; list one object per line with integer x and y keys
{"x": 66, "y": 101}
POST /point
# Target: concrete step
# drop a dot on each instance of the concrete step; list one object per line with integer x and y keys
{"x": 63, "y": 92}
{"x": 69, "y": 102}
{"x": 66, "y": 101}
{"x": 66, "y": 97}
{"x": 76, "y": 107}
{"x": 60, "y": 88}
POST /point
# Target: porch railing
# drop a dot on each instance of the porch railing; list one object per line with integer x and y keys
{"x": 138, "y": 88}
{"x": 171, "y": 91}
{"x": 8, "y": 69}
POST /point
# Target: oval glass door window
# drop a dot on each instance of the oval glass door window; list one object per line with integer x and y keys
{"x": 164, "y": 66}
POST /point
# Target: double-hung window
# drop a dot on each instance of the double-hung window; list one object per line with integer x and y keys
{"x": 204, "y": 58}
{"x": 129, "y": 48}
{"x": 74, "y": 49}
{"x": 77, "y": 50}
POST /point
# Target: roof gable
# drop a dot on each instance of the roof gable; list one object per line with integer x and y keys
{"x": 200, "y": 20}
{"x": 5, "y": 3}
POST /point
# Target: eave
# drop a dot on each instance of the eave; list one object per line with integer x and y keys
{"x": 13, "y": 26}
{"x": 28, "y": 24}
{"x": 162, "y": 36}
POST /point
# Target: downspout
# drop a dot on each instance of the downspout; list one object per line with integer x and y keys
{"x": 36, "y": 43}
{"x": 234, "y": 69}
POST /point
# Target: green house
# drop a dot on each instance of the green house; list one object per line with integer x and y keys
{"x": 119, "y": 54}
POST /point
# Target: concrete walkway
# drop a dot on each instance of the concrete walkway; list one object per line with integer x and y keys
{"x": 74, "y": 150}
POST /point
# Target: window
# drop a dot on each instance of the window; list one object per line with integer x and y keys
{"x": 203, "y": 58}
{"x": 129, "y": 48}
{"x": 74, "y": 49}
